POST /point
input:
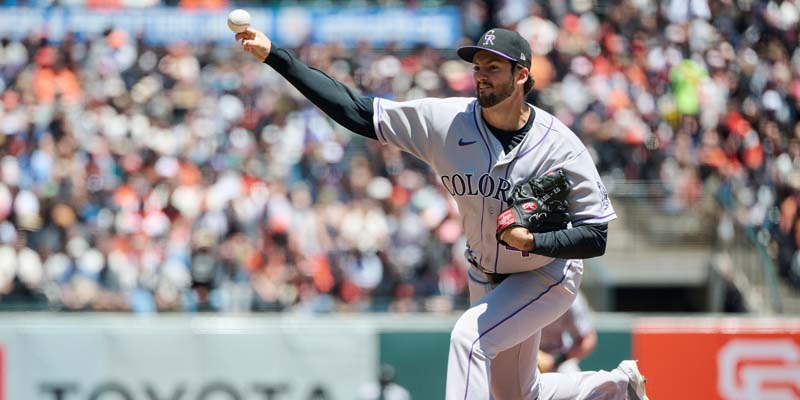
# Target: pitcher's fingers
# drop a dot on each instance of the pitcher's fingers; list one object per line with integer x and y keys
{"x": 246, "y": 34}
{"x": 250, "y": 32}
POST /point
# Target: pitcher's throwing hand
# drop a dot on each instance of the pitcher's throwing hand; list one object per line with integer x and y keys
{"x": 255, "y": 42}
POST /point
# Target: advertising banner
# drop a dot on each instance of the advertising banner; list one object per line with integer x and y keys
{"x": 205, "y": 358}
{"x": 288, "y": 26}
{"x": 725, "y": 358}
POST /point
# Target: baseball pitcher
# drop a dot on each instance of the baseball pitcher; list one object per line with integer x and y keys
{"x": 532, "y": 203}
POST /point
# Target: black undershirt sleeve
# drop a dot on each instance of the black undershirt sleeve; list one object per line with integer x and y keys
{"x": 347, "y": 107}
{"x": 585, "y": 241}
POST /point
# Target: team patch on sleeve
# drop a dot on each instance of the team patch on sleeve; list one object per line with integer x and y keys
{"x": 604, "y": 202}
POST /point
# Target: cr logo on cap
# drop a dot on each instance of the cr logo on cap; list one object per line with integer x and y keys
{"x": 488, "y": 38}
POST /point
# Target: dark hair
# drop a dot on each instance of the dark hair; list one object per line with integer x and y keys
{"x": 528, "y": 86}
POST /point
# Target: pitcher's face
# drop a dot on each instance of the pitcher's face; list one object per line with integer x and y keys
{"x": 494, "y": 78}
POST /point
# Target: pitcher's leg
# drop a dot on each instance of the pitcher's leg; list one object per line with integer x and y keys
{"x": 459, "y": 360}
{"x": 513, "y": 371}
{"x": 589, "y": 385}
{"x": 504, "y": 318}
{"x": 467, "y": 365}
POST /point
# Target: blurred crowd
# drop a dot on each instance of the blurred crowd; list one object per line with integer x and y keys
{"x": 702, "y": 96}
{"x": 191, "y": 178}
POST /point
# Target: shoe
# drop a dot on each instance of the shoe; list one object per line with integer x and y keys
{"x": 636, "y": 380}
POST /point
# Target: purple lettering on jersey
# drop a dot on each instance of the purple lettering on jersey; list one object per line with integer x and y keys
{"x": 465, "y": 185}
{"x": 458, "y": 180}
{"x": 486, "y": 185}
{"x": 503, "y": 189}
{"x": 447, "y": 185}
{"x": 470, "y": 190}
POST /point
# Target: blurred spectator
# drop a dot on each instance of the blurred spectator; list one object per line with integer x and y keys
{"x": 385, "y": 388}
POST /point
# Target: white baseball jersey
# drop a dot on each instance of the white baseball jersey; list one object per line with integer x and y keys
{"x": 451, "y": 136}
{"x": 494, "y": 345}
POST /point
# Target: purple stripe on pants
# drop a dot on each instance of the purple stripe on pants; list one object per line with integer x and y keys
{"x": 472, "y": 348}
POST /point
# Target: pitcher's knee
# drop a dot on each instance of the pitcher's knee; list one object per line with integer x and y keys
{"x": 465, "y": 332}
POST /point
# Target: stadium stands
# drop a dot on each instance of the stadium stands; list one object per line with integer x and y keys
{"x": 188, "y": 178}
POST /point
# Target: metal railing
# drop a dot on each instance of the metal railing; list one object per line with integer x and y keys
{"x": 741, "y": 259}
{"x": 749, "y": 265}
{"x": 648, "y": 213}
{"x": 746, "y": 260}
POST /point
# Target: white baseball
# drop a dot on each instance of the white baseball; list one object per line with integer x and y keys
{"x": 238, "y": 20}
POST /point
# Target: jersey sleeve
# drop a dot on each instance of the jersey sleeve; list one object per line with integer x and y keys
{"x": 588, "y": 198}
{"x": 406, "y": 125}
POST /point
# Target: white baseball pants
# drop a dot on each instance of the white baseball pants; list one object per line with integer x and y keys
{"x": 494, "y": 345}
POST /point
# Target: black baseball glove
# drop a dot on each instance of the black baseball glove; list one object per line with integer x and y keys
{"x": 540, "y": 205}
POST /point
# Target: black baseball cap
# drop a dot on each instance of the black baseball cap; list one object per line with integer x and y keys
{"x": 503, "y": 42}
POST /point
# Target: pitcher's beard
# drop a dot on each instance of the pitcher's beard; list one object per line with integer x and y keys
{"x": 488, "y": 100}
{"x": 499, "y": 94}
